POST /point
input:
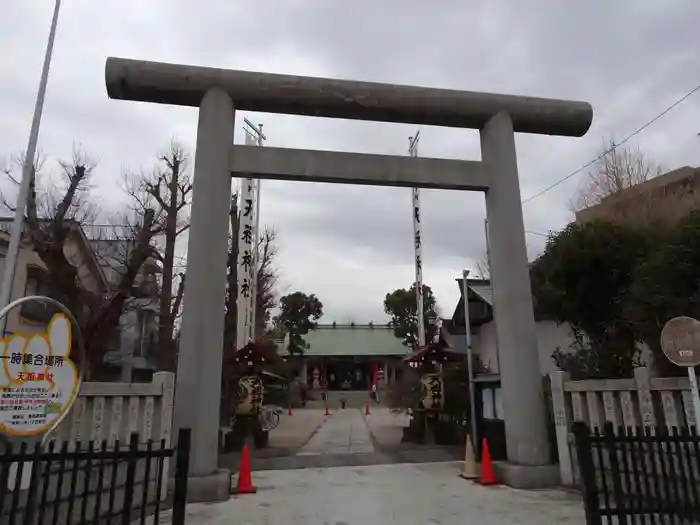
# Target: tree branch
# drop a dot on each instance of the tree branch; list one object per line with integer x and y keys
{"x": 178, "y": 297}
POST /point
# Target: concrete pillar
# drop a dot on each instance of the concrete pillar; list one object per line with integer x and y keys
{"x": 523, "y": 401}
{"x": 198, "y": 386}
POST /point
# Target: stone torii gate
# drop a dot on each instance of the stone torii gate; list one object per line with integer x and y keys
{"x": 218, "y": 93}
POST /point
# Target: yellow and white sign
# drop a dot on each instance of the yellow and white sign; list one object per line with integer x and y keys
{"x": 39, "y": 381}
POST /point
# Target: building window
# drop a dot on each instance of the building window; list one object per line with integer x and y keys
{"x": 492, "y": 403}
{"x": 498, "y": 402}
{"x": 37, "y": 284}
{"x": 488, "y": 410}
{"x": 36, "y": 281}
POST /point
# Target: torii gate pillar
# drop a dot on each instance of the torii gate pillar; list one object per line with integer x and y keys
{"x": 198, "y": 384}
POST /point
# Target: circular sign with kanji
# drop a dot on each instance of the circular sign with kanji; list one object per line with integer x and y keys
{"x": 39, "y": 381}
{"x": 680, "y": 341}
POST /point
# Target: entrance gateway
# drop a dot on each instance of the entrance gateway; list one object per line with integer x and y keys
{"x": 218, "y": 93}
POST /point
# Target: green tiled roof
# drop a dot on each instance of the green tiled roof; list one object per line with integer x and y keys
{"x": 349, "y": 340}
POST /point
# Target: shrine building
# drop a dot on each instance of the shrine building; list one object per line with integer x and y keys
{"x": 350, "y": 357}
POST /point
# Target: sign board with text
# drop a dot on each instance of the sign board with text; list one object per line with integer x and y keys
{"x": 39, "y": 381}
{"x": 680, "y": 341}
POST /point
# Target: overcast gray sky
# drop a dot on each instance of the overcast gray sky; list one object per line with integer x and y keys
{"x": 350, "y": 245}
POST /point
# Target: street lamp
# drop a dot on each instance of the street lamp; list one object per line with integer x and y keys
{"x": 27, "y": 176}
{"x": 470, "y": 365}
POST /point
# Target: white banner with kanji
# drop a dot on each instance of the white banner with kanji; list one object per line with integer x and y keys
{"x": 246, "y": 258}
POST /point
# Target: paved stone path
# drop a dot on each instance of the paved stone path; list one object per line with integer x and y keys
{"x": 346, "y": 438}
{"x": 374, "y": 484}
{"x": 345, "y": 432}
{"x": 386, "y": 426}
{"x": 406, "y": 494}
{"x": 285, "y": 440}
{"x": 295, "y": 430}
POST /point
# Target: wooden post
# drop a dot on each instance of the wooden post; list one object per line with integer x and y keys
{"x": 563, "y": 420}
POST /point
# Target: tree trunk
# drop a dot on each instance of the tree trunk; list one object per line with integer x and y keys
{"x": 166, "y": 316}
{"x": 105, "y": 319}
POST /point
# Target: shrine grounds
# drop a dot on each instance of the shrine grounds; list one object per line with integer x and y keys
{"x": 351, "y": 468}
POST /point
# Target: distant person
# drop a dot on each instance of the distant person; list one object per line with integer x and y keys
{"x": 375, "y": 393}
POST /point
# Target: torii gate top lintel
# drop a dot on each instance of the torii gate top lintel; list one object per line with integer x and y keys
{"x": 184, "y": 85}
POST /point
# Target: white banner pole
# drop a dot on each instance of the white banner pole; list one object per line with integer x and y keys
{"x": 256, "y": 252}
{"x": 418, "y": 247}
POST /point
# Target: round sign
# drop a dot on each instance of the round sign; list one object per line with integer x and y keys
{"x": 39, "y": 380}
{"x": 680, "y": 341}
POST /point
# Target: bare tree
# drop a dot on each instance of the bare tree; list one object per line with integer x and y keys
{"x": 51, "y": 189}
{"x": 266, "y": 297}
{"x": 618, "y": 168}
{"x": 167, "y": 190}
{"x": 52, "y": 218}
{"x": 483, "y": 270}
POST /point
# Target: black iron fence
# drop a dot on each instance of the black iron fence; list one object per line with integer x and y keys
{"x": 639, "y": 475}
{"x": 97, "y": 483}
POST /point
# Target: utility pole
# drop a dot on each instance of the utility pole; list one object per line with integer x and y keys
{"x": 28, "y": 175}
{"x": 470, "y": 357}
{"x": 417, "y": 246}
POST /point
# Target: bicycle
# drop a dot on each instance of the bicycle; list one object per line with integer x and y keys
{"x": 269, "y": 418}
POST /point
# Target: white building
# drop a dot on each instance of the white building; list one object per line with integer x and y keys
{"x": 98, "y": 264}
{"x": 550, "y": 335}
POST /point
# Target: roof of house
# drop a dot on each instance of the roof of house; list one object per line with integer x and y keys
{"x": 480, "y": 303}
{"x": 483, "y": 291}
{"x": 91, "y": 257}
{"x": 352, "y": 340}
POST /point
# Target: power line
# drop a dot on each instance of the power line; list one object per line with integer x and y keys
{"x": 636, "y": 132}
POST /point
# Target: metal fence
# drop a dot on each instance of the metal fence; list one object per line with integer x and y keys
{"x": 101, "y": 483}
{"x": 639, "y": 475}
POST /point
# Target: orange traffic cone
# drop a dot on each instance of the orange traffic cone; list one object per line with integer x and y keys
{"x": 289, "y": 412}
{"x": 327, "y": 412}
{"x": 487, "y": 475}
{"x": 366, "y": 408}
{"x": 245, "y": 482}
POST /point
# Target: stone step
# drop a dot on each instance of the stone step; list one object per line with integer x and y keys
{"x": 354, "y": 398}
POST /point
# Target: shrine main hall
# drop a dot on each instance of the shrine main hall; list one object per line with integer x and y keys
{"x": 350, "y": 357}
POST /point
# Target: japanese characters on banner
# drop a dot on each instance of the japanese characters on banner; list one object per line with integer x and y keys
{"x": 418, "y": 248}
{"x": 250, "y": 395}
{"x": 246, "y": 259}
{"x": 39, "y": 381}
{"x": 432, "y": 392}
